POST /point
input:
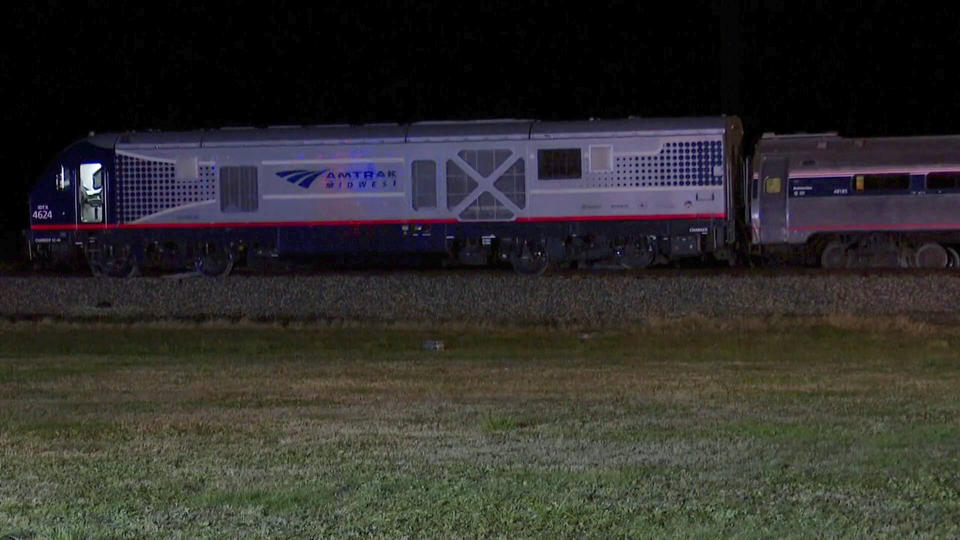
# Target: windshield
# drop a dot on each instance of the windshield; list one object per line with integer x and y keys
{"x": 91, "y": 177}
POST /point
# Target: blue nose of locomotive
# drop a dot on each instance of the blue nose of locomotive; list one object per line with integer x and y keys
{"x": 69, "y": 197}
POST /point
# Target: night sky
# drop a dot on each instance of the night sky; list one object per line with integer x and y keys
{"x": 865, "y": 68}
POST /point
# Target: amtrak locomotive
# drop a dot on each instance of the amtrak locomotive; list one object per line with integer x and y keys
{"x": 634, "y": 192}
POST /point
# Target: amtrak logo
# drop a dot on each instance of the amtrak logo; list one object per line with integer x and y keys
{"x": 300, "y": 177}
{"x": 343, "y": 180}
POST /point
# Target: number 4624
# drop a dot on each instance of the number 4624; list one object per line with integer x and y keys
{"x": 42, "y": 214}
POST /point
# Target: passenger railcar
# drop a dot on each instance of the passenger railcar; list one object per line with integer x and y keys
{"x": 856, "y": 202}
{"x": 631, "y": 191}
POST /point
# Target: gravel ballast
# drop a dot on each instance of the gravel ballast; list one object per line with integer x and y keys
{"x": 589, "y": 299}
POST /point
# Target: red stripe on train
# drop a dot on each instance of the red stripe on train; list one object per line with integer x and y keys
{"x": 622, "y": 218}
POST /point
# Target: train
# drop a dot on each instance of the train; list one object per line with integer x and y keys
{"x": 632, "y": 192}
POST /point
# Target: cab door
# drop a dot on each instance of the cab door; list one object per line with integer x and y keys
{"x": 90, "y": 198}
{"x": 773, "y": 200}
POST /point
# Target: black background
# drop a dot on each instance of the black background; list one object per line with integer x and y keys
{"x": 860, "y": 68}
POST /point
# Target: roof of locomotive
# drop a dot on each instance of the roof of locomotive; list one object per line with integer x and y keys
{"x": 818, "y": 151}
{"x": 476, "y": 130}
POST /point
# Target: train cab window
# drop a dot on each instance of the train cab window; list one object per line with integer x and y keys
{"x": 937, "y": 181}
{"x": 559, "y": 164}
{"x": 424, "y": 185}
{"x": 772, "y": 184}
{"x": 91, "y": 192}
{"x": 881, "y": 182}
{"x": 64, "y": 178}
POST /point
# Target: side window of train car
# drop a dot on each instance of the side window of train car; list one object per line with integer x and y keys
{"x": 238, "y": 189}
{"x": 559, "y": 164}
{"x": 424, "y": 185}
{"x": 943, "y": 181}
{"x": 881, "y": 182}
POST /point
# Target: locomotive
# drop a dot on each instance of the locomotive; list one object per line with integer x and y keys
{"x": 634, "y": 192}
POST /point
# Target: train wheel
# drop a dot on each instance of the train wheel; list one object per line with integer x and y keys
{"x": 932, "y": 255}
{"x": 635, "y": 257}
{"x": 954, "y": 261}
{"x": 122, "y": 267}
{"x": 215, "y": 262}
{"x": 115, "y": 262}
{"x": 835, "y": 255}
{"x": 530, "y": 260}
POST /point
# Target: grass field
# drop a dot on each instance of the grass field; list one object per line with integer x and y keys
{"x": 691, "y": 428}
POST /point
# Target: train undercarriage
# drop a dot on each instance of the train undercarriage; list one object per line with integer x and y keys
{"x": 216, "y": 253}
{"x": 869, "y": 250}
{"x": 119, "y": 255}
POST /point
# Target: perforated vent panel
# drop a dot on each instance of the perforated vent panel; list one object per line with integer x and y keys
{"x": 692, "y": 163}
{"x": 145, "y": 187}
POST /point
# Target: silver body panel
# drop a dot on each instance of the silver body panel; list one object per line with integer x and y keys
{"x": 365, "y": 171}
